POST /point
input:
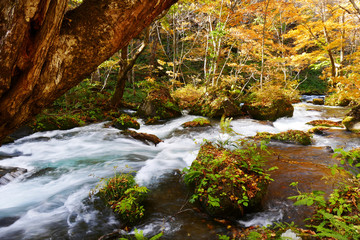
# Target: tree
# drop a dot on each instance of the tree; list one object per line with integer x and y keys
{"x": 45, "y": 50}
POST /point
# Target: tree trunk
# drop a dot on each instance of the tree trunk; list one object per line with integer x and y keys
{"x": 44, "y": 51}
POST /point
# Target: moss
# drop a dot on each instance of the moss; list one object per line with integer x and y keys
{"x": 197, "y": 122}
{"x": 228, "y": 183}
{"x": 290, "y": 136}
{"x": 325, "y": 123}
{"x": 348, "y": 122}
{"x": 124, "y": 122}
{"x": 54, "y": 122}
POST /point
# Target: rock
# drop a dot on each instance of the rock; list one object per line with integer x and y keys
{"x": 159, "y": 103}
{"x": 7, "y": 174}
{"x": 318, "y": 101}
{"x": 124, "y": 122}
{"x": 352, "y": 120}
{"x": 319, "y": 131}
{"x": 290, "y": 136}
{"x": 215, "y": 106}
{"x": 269, "y": 111}
{"x": 197, "y": 122}
{"x": 325, "y": 123}
{"x": 224, "y": 182}
{"x": 144, "y": 137}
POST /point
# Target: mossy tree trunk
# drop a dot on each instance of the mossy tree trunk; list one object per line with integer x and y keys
{"x": 45, "y": 50}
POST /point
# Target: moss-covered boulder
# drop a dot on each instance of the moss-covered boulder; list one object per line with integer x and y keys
{"x": 215, "y": 104}
{"x": 270, "y": 111}
{"x": 159, "y": 104}
{"x": 290, "y": 136}
{"x": 228, "y": 183}
{"x": 197, "y": 122}
{"x": 124, "y": 122}
{"x": 318, "y": 130}
{"x": 352, "y": 120}
{"x": 318, "y": 101}
{"x": 325, "y": 123}
{"x": 56, "y": 122}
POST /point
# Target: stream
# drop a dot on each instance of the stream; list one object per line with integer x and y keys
{"x": 51, "y": 201}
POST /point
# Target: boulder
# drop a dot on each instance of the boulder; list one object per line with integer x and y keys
{"x": 269, "y": 111}
{"x": 160, "y": 104}
{"x": 318, "y": 101}
{"x": 352, "y": 120}
{"x": 124, "y": 122}
{"x": 227, "y": 183}
{"x": 215, "y": 106}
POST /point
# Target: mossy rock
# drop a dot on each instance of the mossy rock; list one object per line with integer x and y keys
{"x": 52, "y": 122}
{"x": 197, "y": 122}
{"x": 319, "y": 130}
{"x": 124, "y": 122}
{"x": 325, "y": 123}
{"x": 226, "y": 182}
{"x": 352, "y": 120}
{"x": 215, "y": 104}
{"x": 318, "y": 101}
{"x": 159, "y": 103}
{"x": 270, "y": 111}
{"x": 290, "y": 136}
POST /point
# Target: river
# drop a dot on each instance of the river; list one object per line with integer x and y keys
{"x": 51, "y": 201}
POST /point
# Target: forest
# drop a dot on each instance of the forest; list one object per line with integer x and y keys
{"x": 214, "y": 119}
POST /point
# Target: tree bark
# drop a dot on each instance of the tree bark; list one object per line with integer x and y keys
{"x": 44, "y": 51}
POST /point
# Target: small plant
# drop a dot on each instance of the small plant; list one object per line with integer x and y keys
{"x": 139, "y": 235}
{"x": 124, "y": 196}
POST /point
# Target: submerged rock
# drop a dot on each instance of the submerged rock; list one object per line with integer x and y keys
{"x": 8, "y": 174}
{"x": 159, "y": 104}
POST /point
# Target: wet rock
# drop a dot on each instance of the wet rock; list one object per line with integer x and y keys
{"x": 10, "y": 155}
{"x": 352, "y": 120}
{"x": 159, "y": 103}
{"x": 144, "y": 137}
{"x": 197, "y": 122}
{"x": 124, "y": 122}
{"x": 325, "y": 123}
{"x": 319, "y": 131}
{"x": 290, "y": 136}
{"x": 269, "y": 111}
{"x": 7, "y": 174}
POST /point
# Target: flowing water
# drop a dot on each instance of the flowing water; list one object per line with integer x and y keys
{"x": 51, "y": 201}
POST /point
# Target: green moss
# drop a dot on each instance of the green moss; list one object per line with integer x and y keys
{"x": 124, "y": 122}
{"x": 124, "y": 196}
{"x": 197, "y": 122}
{"x": 228, "y": 182}
{"x": 347, "y": 122}
{"x": 53, "y": 122}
